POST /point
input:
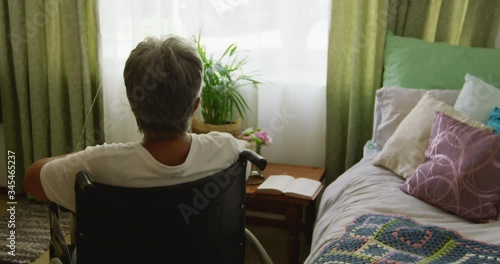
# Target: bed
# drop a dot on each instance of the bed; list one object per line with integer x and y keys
{"x": 365, "y": 201}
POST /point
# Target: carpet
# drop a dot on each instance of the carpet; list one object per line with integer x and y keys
{"x": 32, "y": 232}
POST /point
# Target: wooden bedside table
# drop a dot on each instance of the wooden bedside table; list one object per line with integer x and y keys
{"x": 292, "y": 208}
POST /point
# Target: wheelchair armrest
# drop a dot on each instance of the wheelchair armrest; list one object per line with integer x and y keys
{"x": 84, "y": 180}
{"x": 254, "y": 158}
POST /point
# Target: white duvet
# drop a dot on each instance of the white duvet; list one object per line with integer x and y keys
{"x": 370, "y": 189}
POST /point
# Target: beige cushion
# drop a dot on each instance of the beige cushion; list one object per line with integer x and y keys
{"x": 405, "y": 149}
{"x": 392, "y": 104}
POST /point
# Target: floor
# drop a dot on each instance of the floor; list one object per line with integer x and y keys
{"x": 272, "y": 239}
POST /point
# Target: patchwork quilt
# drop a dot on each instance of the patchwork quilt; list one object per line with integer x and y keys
{"x": 374, "y": 238}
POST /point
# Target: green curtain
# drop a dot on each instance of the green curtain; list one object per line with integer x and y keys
{"x": 355, "y": 58}
{"x": 49, "y": 78}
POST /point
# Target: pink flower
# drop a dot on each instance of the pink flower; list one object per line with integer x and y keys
{"x": 261, "y": 134}
{"x": 258, "y": 136}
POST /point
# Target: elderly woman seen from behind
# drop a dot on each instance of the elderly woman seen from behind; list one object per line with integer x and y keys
{"x": 163, "y": 80}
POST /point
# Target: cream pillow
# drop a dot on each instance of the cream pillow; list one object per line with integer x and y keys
{"x": 405, "y": 149}
{"x": 477, "y": 98}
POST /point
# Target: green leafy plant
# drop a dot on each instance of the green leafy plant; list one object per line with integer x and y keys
{"x": 220, "y": 95}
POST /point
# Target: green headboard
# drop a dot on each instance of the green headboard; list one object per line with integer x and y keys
{"x": 415, "y": 63}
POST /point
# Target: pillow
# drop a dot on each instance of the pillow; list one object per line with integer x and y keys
{"x": 477, "y": 98}
{"x": 461, "y": 171}
{"x": 392, "y": 104}
{"x": 415, "y": 63}
{"x": 494, "y": 120}
{"x": 405, "y": 149}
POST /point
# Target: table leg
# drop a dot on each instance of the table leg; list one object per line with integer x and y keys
{"x": 293, "y": 217}
{"x": 309, "y": 224}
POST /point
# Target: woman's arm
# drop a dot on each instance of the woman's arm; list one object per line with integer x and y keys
{"x": 32, "y": 182}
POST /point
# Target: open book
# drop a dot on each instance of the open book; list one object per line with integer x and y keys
{"x": 288, "y": 185}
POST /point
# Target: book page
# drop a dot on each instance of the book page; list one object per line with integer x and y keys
{"x": 304, "y": 187}
{"x": 276, "y": 182}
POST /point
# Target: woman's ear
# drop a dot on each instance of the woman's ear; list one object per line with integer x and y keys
{"x": 196, "y": 103}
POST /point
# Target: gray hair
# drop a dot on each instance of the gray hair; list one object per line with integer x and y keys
{"x": 163, "y": 79}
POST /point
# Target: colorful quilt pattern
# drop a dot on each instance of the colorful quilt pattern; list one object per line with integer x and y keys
{"x": 374, "y": 238}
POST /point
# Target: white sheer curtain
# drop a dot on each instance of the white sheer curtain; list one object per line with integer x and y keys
{"x": 286, "y": 42}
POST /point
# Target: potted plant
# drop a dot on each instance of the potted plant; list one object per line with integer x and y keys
{"x": 222, "y": 105}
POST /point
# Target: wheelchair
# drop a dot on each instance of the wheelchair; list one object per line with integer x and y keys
{"x": 196, "y": 222}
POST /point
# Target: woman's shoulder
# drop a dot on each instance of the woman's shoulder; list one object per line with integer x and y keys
{"x": 219, "y": 139}
{"x": 111, "y": 148}
{"x": 215, "y": 135}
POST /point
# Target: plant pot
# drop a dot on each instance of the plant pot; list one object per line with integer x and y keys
{"x": 199, "y": 127}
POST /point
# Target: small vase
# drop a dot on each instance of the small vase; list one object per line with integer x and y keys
{"x": 256, "y": 176}
{"x": 258, "y": 149}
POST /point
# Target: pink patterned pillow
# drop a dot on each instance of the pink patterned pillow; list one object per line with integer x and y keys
{"x": 461, "y": 172}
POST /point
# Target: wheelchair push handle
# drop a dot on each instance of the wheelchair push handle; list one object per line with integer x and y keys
{"x": 254, "y": 158}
